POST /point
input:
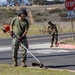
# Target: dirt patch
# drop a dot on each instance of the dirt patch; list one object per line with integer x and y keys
{"x": 41, "y": 15}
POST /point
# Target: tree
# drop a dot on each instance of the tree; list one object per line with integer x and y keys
{"x": 9, "y": 1}
{"x": 56, "y": 1}
{"x": 15, "y": 2}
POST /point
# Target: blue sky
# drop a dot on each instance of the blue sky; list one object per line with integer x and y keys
{"x": 2, "y": 0}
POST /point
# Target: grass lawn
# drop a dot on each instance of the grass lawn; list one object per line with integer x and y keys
{"x": 10, "y": 70}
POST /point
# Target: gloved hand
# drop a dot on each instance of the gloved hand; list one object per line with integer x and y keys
{"x": 11, "y": 33}
{"x": 20, "y": 38}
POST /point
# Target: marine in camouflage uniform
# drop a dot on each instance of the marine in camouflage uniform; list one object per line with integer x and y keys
{"x": 52, "y": 29}
{"x": 19, "y": 26}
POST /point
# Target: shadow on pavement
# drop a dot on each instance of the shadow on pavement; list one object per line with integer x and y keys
{"x": 60, "y": 66}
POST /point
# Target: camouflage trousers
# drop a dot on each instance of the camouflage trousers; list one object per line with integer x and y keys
{"x": 15, "y": 47}
{"x": 54, "y": 36}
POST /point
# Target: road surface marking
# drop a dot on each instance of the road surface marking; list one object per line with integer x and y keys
{"x": 49, "y": 51}
{"x": 37, "y": 48}
{"x": 7, "y": 48}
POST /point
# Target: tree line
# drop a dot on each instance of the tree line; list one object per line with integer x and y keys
{"x": 39, "y": 2}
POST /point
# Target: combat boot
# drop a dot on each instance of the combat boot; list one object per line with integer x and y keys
{"x": 51, "y": 46}
{"x": 15, "y": 63}
{"x": 24, "y": 64}
{"x": 56, "y": 45}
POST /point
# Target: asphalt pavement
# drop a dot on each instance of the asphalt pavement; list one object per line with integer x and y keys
{"x": 62, "y": 57}
{"x": 56, "y": 57}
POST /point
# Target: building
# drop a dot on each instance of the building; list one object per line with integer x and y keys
{"x": 49, "y": 2}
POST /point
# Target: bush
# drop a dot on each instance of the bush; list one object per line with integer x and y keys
{"x": 54, "y": 11}
{"x": 63, "y": 14}
{"x": 39, "y": 14}
{"x": 10, "y": 13}
{"x": 7, "y": 13}
{"x": 65, "y": 19}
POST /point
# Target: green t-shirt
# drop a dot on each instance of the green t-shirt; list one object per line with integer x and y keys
{"x": 19, "y": 26}
{"x": 51, "y": 28}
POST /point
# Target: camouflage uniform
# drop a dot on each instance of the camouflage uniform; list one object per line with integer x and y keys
{"x": 18, "y": 29}
{"x": 54, "y": 33}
